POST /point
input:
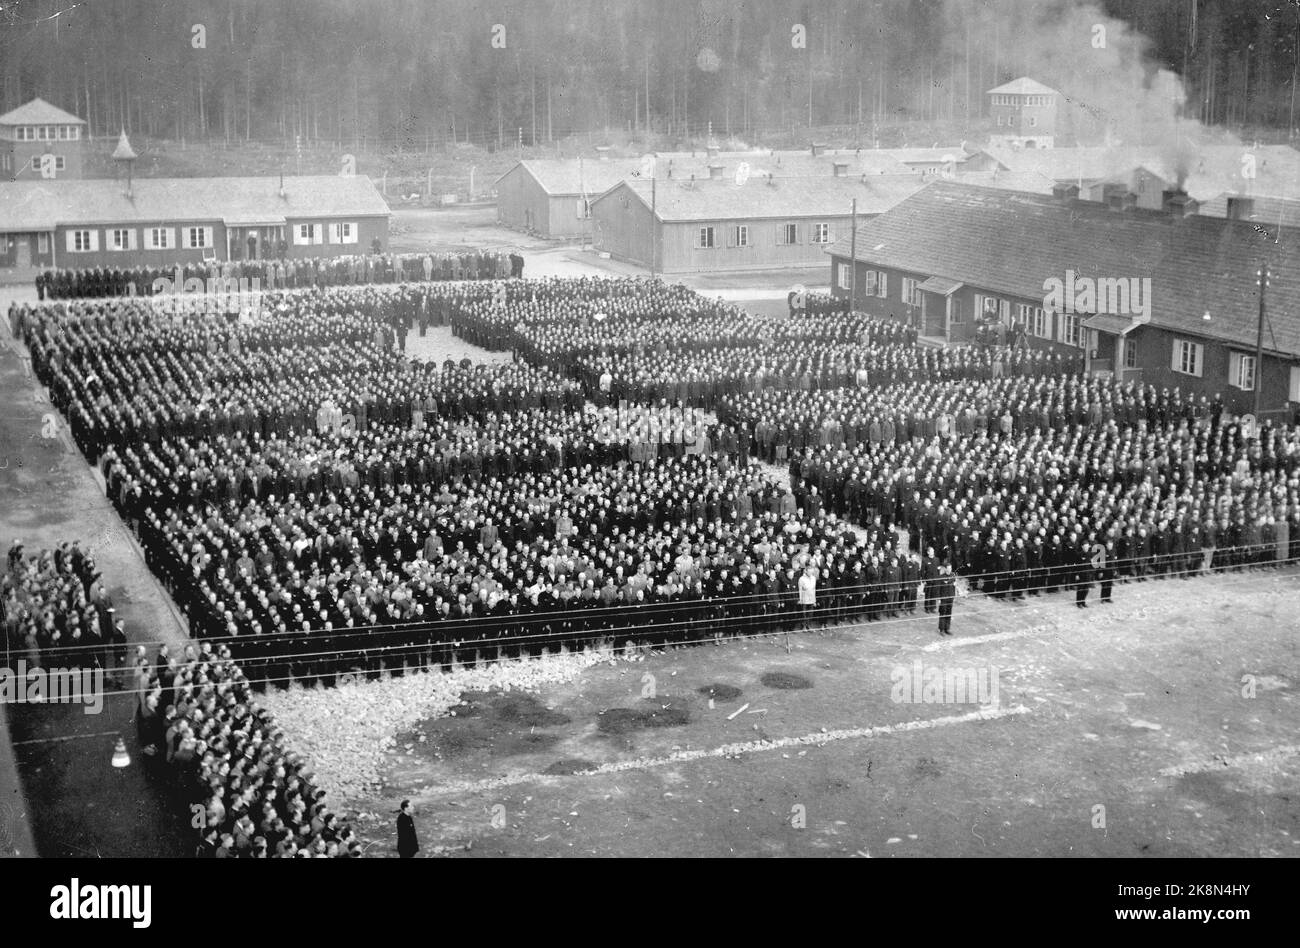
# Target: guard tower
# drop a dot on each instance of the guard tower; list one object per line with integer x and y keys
{"x": 1023, "y": 114}
{"x": 35, "y": 130}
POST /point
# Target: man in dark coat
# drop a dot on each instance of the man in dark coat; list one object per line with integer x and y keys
{"x": 1106, "y": 573}
{"x": 947, "y": 592}
{"x": 407, "y": 844}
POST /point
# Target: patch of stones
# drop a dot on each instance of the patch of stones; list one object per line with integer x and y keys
{"x": 569, "y": 766}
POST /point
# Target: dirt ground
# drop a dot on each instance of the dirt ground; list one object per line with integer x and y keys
{"x": 1120, "y": 730}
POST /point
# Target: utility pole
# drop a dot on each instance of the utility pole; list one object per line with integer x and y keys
{"x": 1259, "y": 342}
{"x": 654, "y": 242}
{"x": 810, "y": 87}
{"x": 647, "y": 93}
{"x": 853, "y": 258}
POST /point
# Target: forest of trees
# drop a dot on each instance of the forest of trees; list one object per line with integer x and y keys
{"x": 371, "y": 72}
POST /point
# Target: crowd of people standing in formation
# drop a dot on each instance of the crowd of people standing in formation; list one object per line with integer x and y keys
{"x": 281, "y": 272}
{"x": 197, "y": 718}
{"x": 122, "y": 373}
{"x": 705, "y": 377}
{"x": 56, "y": 612}
{"x": 199, "y": 721}
{"x": 1036, "y": 510}
{"x": 316, "y": 500}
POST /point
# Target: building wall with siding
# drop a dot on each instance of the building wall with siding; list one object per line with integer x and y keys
{"x": 1153, "y": 346}
{"x": 1155, "y": 356}
{"x": 626, "y": 233}
{"x": 20, "y": 154}
{"x": 1013, "y": 119}
{"x": 11, "y": 255}
{"x": 680, "y": 255}
{"x": 961, "y": 329}
{"x": 563, "y": 219}
{"x": 521, "y": 202}
{"x": 368, "y": 228}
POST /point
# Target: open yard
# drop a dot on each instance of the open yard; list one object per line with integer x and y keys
{"x": 1162, "y": 725}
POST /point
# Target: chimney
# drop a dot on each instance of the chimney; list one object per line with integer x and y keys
{"x": 1179, "y": 204}
{"x": 603, "y": 152}
{"x": 715, "y": 170}
{"x": 1065, "y": 192}
{"x": 1241, "y": 208}
{"x": 839, "y": 168}
{"x": 1111, "y": 192}
{"x": 817, "y": 149}
{"x": 1126, "y": 201}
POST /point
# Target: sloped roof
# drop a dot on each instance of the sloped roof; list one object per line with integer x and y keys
{"x": 1029, "y": 181}
{"x": 1011, "y": 242}
{"x": 43, "y": 205}
{"x": 1264, "y": 210}
{"x": 1267, "y": 171}
{"x": 39, "y": 112}
{"x": 805, "y": 164}
{"x": 1071, "y": 164}
{"x": 124, "y": 151}
{"x": 1211, "y": 169}
{"x": 1022, "y": 86}
{"x": 566, "y": 177}
{"x": 792, "y": 197}
{"x": 951, "y": 154}
{"x": 569, "y": 176}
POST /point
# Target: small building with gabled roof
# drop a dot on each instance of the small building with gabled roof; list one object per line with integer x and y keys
{"x": 1023, "y": 114}
{"x": 40, "y": 140}
{"x": 721, "y": 223}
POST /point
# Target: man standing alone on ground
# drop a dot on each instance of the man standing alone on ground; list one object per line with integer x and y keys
{"x": 407, "y": 845}
{"x": 946, "y": 592}
{"x": 807, "y": 595}
{"x": 1083, "y": 579}
{"x": 1106, "y": 573}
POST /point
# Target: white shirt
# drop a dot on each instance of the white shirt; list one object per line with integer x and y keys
{"x": 807, "y": 590}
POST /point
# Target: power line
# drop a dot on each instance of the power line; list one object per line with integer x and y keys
{"x": 1044, "y": 607}
{"x": 652, "y": 624}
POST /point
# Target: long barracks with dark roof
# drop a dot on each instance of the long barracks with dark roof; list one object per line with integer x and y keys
{"x": 1159, "y": 295}
{"x": 163, "y": 221}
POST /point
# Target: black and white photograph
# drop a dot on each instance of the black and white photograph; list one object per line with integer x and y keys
{"x": 650, "y": 429}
